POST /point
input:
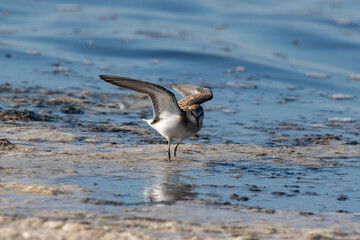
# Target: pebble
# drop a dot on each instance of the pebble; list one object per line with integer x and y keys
{"x": 32, "y": 52}
{"x": 343, "y": 22}
{"x": 154, "y": 61}
{"x": 228, "y": 71}
{"x": 338, "y": 119}
{"x": 68, "y": 7}
{"x": 342, "y": 198}
{"x": 241, "y": 85}
{"x": 87, "y": 63}
{"x": 236, "y": 176}
{"x": 90, "y": 42}
{"x": 340, "y": 96}
{"x": 240, "y": 69}
{"x": 59, "y": 69}
{"x": 355, "y": 77}
{"x": 103, "y": 68}
{"x": 316, "y": 75}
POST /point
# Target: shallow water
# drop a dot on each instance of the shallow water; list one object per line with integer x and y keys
{"x": 284, "y": 74}
{"x": 280, "y": 187}
{"x": 319, "y": 178}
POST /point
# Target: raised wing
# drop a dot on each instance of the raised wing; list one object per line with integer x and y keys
{"x": 164, "y": 101}
{"x": 192, "y": 95}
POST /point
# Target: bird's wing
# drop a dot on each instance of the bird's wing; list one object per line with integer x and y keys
{"x": 164, "y": 101}
{"x": 192, "y": 95}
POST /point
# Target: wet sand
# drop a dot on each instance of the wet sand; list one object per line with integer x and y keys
{"x": 37, "y": 202}
{"x": 23, "y": 213}
{"x": 152, "y": 224}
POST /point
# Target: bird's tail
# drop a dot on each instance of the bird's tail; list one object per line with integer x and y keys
{"x": 149, "y": 121}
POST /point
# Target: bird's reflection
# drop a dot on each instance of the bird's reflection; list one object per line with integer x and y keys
{"x": 169, "y": 186}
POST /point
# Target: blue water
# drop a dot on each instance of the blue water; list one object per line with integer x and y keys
{"x": 196, "y": 43}
{"x": 274, "y": 186}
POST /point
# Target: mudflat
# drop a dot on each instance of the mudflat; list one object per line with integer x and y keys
{"x": 66, "y": 178}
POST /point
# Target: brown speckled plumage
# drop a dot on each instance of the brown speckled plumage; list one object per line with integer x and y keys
{"x": 192, "y": 101}
{"x": 193, "y": 96}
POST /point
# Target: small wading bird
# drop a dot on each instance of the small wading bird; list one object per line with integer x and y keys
{"x": 172, "y": 119}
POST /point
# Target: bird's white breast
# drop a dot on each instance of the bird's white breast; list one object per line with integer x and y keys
{"x": 172, "y": 128}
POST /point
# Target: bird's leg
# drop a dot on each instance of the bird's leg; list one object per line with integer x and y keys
{"x": 176, "y": 147}
{"x": 169, "y": 155}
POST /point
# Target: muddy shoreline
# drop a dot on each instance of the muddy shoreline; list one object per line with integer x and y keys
{"x": 150, "y": 223}
{"x": 38, "y": 201}
{"x": 71, "y": 169}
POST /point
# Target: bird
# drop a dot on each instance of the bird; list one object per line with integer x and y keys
{"x": 174, "y": 120}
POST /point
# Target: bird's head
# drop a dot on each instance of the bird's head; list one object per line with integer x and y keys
{"x": 195, "y": 114}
